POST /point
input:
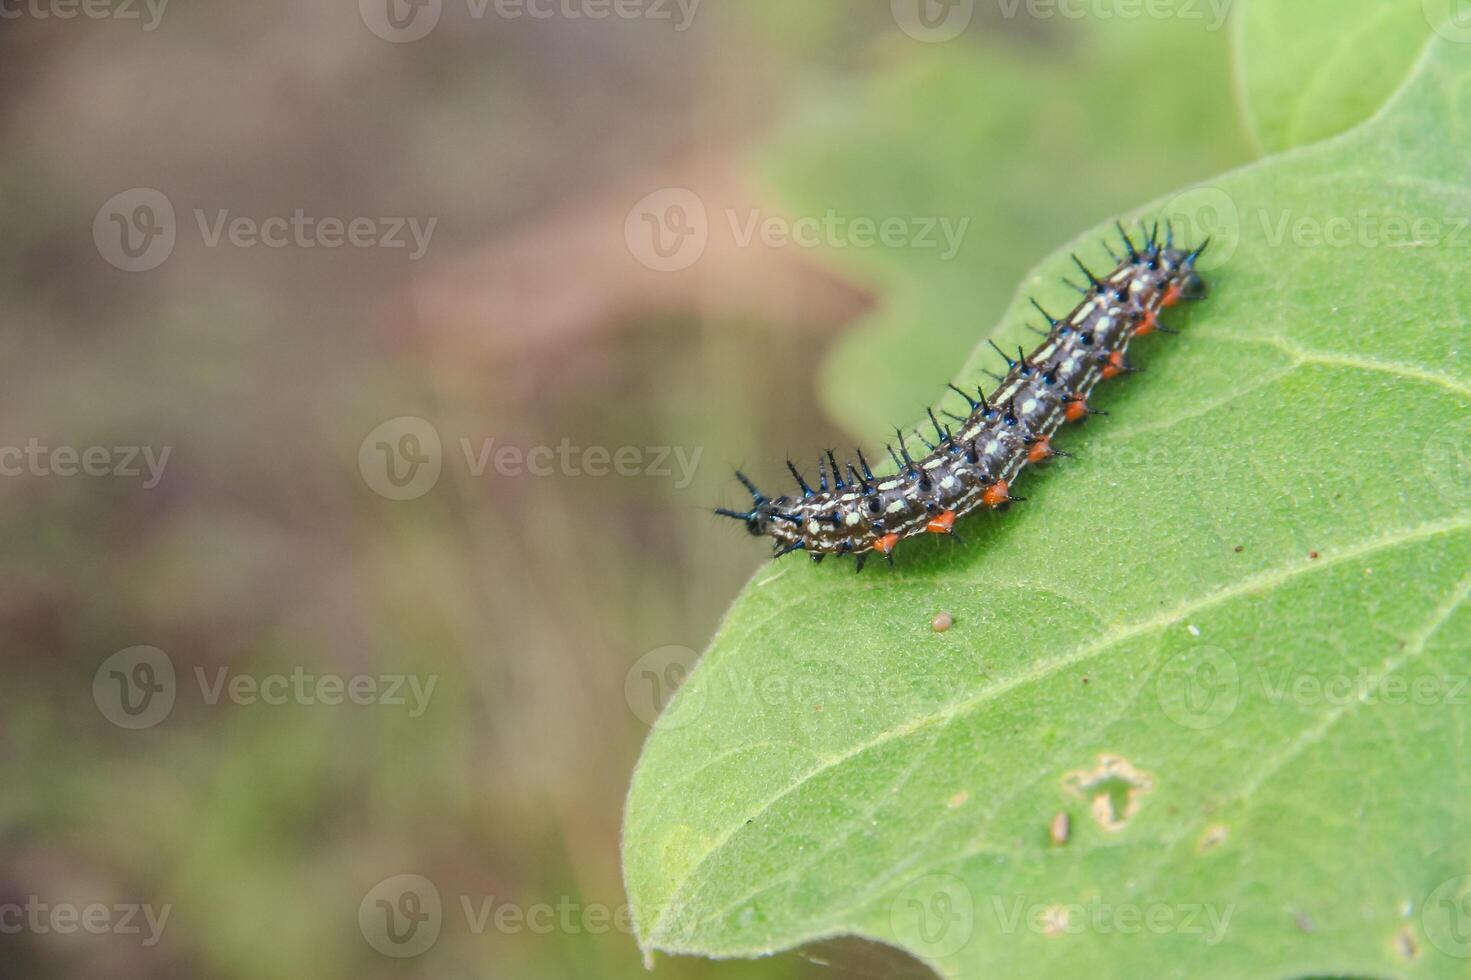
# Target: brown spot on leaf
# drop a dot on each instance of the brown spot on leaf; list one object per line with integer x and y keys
{"x": 1213, "y": 838}
{"x": 1406, "y": 944}
{"x": 1060, "y": 828}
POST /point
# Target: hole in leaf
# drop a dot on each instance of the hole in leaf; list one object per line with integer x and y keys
{"x": 1112, "y": 790}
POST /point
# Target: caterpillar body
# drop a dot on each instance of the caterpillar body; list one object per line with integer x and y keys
{"x": 973, "y": 464}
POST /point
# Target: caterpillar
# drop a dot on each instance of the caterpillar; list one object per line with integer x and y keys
{"x": 974, "y": 464}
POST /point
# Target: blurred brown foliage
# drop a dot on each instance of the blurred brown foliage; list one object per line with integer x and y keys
{"x": 263, "y": 550}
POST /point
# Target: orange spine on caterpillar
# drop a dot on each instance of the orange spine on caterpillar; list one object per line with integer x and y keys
{"x": 973, "y": 464}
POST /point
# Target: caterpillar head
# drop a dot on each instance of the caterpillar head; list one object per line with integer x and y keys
{"x": 764, "y": 514}
{"x": 1188, "y": 283}
{"x": 761, "y": 517}
{"x": 1192, "y": 287}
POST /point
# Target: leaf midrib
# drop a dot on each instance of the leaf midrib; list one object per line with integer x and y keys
{"x": 1310, "y": 736}
{"x": 1043, "y": 669}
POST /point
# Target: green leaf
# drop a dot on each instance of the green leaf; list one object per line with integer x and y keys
{"x": 1228, "y": 642}
{"x": 1309, "y": 69}
{"x": 1013, "y": 143}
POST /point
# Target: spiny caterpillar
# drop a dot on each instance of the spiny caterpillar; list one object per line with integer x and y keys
{"x": 974, "y": 465}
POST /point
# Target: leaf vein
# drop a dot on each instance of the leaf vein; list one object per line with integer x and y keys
{"x": 1045, "y": 668}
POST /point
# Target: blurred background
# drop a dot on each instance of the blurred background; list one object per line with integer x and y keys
{"x": 370, "y": 369}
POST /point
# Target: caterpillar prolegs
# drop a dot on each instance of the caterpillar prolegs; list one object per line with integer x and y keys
{"x": 974, "y": 463}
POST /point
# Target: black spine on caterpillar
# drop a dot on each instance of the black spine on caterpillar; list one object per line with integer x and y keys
{"x": 973, "y": 463}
